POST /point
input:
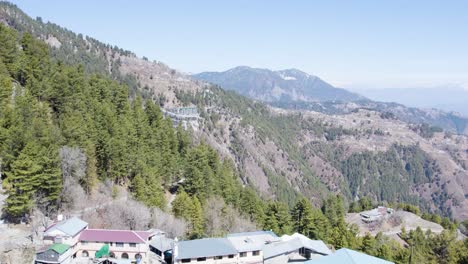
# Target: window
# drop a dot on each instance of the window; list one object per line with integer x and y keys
{"x": 186, "y": 260}
{"x": 85, "y": 254}
{"x": 243, "y": 254}
{"x": 118, "y": 244}
{"x": 132, "y": 244}
{"x": 219, "y": 257}
{"x": 137, "y": 256}
{"x": 201, "y": 259}
{"x": 124, "y": 255}
{"x": 84, "y": 242}
{"x": 112, "y": 255}
{"x": 231, "y": 256}
{"x": 256, "y": 253}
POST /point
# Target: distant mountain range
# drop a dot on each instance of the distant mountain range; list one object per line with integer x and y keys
{"x": 278, "y": 86}
{"x": 295, "y": 89}
{"x": 447, "y": 98}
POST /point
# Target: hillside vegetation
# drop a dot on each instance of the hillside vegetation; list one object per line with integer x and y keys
{"x": 63, "y": 124}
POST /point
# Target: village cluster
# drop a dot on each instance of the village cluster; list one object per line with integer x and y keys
{"x": 72, "y": 241}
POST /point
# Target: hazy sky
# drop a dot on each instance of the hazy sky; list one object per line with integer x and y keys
{"x": 365, "y": 44}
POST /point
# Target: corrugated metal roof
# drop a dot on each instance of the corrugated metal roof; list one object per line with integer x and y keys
{"x": 123, "y": 236}
{"x": 253, "y": 233}
{"x": 315, "y": 245}
{"x": 70, "y": 226}
{"x": 280, "y": 248}
{"x": 348, "y": 256}
{"x": 161, "y": 243}
{"x": 250, "y": 241}
{"x": 207, "y": 247}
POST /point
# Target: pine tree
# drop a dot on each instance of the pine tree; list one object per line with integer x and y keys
{"x": 196, "y": 219}
{"x": 182, "y": 205}
{"x": 302, "y": 217}
{"x": 21, "y": 180}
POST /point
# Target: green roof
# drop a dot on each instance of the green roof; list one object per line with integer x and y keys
{"x": 59, "y": 248}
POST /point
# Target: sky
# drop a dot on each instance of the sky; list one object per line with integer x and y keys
{"x": 351, "y": 44}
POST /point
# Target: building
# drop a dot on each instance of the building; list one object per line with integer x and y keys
{"x": 55, "y": 253}
{"x": 348, "y": 256}
{"x": 294, "y": 248}
{"x": 123, "y": 244}
{"x": 162, "y": 247}
{"x": 250, "y": 245}
{"x": 65, "y": 232}
{"x": 249, "y": 248}
{"x": 207, "y": 250}
{"x": 376, "y": 214}
{"x": 68, "y": 239}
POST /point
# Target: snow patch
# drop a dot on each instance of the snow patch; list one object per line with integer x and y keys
{"x": 287, "y": 78}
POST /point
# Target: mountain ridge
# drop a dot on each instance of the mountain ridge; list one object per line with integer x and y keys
{"x": 281, "y": 85}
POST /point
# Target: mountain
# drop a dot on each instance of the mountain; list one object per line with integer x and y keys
{"x": 277, "y": 86}
{"x": 309, "y": 150}
{"x": 294, "y": 89}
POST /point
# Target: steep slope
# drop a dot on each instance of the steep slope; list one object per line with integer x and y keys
{"x": 285, "y": 153}
{"x": 277, "y": 86}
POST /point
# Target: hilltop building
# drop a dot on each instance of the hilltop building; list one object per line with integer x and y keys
{"x": 376, "y": 214}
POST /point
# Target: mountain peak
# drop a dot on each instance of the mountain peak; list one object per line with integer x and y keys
{"x": 277, "y": 86}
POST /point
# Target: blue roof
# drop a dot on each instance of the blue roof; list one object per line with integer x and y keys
{"x": 70, "y": 226}
{"x": 207, "y": 247}
{"x": 348, "y": 256}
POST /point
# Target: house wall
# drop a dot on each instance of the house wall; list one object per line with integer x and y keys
{"x": 92, "y": 247}
{"x": 46, "y": 257}
{"x": 248, "y": 259}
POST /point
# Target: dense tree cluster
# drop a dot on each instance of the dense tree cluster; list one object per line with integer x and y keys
{"x": 46, "y": 105}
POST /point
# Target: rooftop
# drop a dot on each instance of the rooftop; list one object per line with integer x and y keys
{"x": 206, "y": 247}
{"x": 161, "y": 242}
{"x": 292, "y": 243}
{"x": 348, "y": 256}
{"x": 70, "y": 226}
{"x": 249, "y": 241}
{"x": 317, "y": 246}
{"x": 123, "y": 236}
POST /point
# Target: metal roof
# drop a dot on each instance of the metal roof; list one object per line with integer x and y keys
{"x": 250, "y": 241}
{"x": 59, "y": 248}
{"x": 122, "y": 236}
{"x": 348, "y": 256}
{"x": 70, "y": 226}
{"x": 161, "y": 243}
{"x": 282, "y": 247}
{"x": 314, "y": 245}
{"x": 253, "y": 233}
{"x": 207, "y": 247}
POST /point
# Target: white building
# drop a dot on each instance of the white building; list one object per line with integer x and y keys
{"x": 376, "y": 214}
{"x": 249, "y": 248}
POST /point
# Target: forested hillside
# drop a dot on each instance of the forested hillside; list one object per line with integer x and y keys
{"x": 67, "y": 118}
{"x": 284, "y": 154}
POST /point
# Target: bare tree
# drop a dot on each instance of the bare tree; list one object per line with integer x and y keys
{"x": 174, "y": 227}
{"x": 222, "y": 218}
{"x": 73, "y": 164}
{"x": 129, "y": 214}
